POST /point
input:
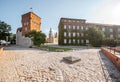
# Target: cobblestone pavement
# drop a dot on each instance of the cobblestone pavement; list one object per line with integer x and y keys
{"x": 19, "y": 64}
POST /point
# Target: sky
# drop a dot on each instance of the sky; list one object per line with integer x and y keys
{"x": 50, "y": 11}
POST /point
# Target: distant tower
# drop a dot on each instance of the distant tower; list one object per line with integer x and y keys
{"x": 30, "y": 21}
{"x": 56, "y": 35}
{"x": 50, "y": 36}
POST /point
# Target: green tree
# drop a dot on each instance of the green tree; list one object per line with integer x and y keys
{"x": 60, "y": 38}
{"x": 110, "y": 42}
{"x": 95, "y": 36}
{"x": 12, "y": 38}
{"x": 4, "y": 30}
{"x": 38, "y": 38}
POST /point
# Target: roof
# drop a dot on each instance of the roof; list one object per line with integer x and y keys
{"x": 74, "y": 19}
{"x": 30, "y": 13}
{"x": 19, "y": 29}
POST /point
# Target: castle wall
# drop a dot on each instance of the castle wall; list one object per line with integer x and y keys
{"x": 23, "y": 41}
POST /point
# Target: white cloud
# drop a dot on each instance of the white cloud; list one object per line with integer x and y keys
{"x": 108, "y": 13}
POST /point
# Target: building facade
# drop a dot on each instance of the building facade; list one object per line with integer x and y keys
{"x": 30, "y": 21}
{"x": 52, "y": 38}
{"x": 72, "y": 31}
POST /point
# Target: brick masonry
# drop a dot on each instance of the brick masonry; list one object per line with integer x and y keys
{"x": 72, "y": 31}
{"x": 112, "y": 57}
{"x": 30, "y": 21}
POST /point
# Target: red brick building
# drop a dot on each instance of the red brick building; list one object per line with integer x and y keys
{"x": 30, "y": 21}
{"x": 72, "y": 31}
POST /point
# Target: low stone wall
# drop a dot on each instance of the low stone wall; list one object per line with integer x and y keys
{"x": 1, "y": 50}
{"x": 112, "y": 57}
{"x": 22, "y": 40}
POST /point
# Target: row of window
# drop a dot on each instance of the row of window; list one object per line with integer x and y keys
{"x": 75, "y": 27}
{"x": 73, "y": 34}
{"x": 81, "y": 27}
{"x": 111, "y": 30}
{"x": 78, "y": 41}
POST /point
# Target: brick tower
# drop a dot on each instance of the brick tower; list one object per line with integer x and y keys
{"x": 30, "y": 21}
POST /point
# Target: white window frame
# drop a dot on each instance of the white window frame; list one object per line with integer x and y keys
{"x": 65, "y": 20}
{"x": 87, "y": 41}
{"x": 65, "y": 34}
{"x": 74, "y": 41}
{"x": 82, "y": 41}
{"x": 26, "y": 29}
{"x": 81, "y": 27}
{"x": 69, "y": 26}
{"x": 86, "y": 28}
{"x": 74, "y": 34}
{"x": 82, "y": 34}
{"x": 27, "y": 23}
{"x": 69, "y": 20}
{"x": 24, "y": 23}
{"x": 73, "y": 20}
{"x": 73, "y": 26}
{"x": 78, "y": 34}
{"x": 78, "y": 27}
{"x": 65, "y": 26}
{"x": 78, "y": 21}
{"x": 103, "y": 29}
{"x": 111, "y": 35}
{"x": 69, "y": 34}
{"x": 65, "y": 41}
{"x": 69, "y": 41}
{"x": 111, "y": 30}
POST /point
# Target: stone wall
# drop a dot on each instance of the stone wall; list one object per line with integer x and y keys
{"x": 112, "y": 57}
{"x": 23, "y": 41}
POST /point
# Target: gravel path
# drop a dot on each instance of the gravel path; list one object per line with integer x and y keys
{"x": 19, "y": 64}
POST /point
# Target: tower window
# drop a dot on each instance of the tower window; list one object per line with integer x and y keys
{"x": 25, "y": 28}
{"x": 24, "y": 23}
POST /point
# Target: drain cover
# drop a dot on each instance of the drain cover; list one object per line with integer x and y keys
{"x": 71, "y": 59}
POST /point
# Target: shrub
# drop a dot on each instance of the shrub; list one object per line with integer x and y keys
{"x": 95, "y": 36}
{"x": 38, "y": 38}
{"x": 110, "y": 42}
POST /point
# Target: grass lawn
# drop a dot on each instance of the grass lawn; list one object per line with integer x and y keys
{"x": 54, "y": 48}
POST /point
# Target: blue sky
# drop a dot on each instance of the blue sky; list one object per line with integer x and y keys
{"x": 100, "y": 11}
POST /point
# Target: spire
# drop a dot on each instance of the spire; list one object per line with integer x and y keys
{"x": 50, "y": 29}
{"x": 50, "y": 33}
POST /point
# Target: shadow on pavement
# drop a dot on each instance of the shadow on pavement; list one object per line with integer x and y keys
{"x": 111, "y": 73}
